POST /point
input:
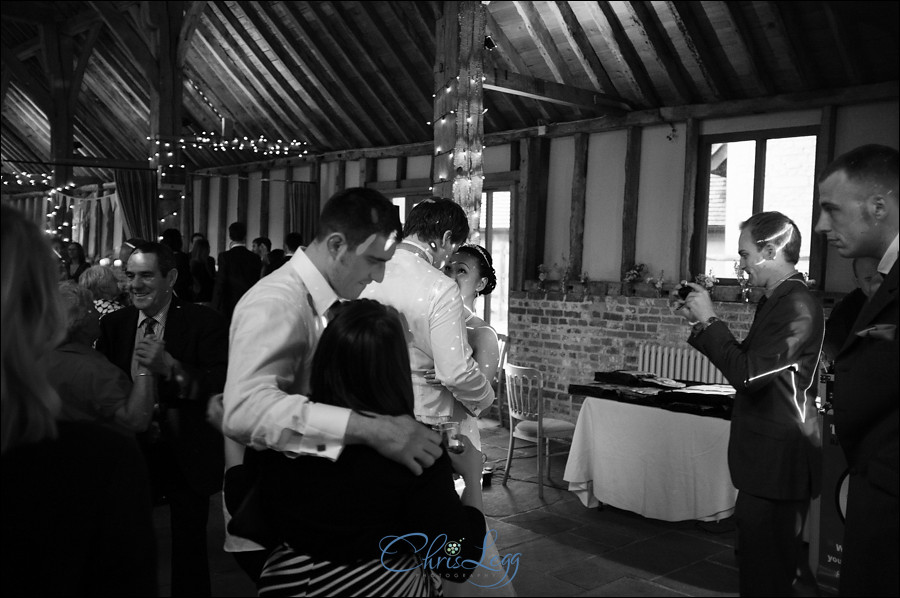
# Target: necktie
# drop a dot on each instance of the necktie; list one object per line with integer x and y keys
{"x": 149, "y": 326}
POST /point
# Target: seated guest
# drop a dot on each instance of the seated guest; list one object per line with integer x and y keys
{"x": 103, "y": 284}
{"x": 76, "y": 516}
{"x": 92, "y": 388}
{"x": 77, "y": 262}
{"x": 362, "y": 363}
{"x": 203, "y": 271}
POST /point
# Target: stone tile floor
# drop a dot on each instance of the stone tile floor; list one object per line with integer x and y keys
{"x": 563, "y": 548}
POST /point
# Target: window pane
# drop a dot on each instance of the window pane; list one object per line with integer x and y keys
{"x": 400, "y": 202}
{"x": 790, "y": 176}
{"x": 730, "y": 203}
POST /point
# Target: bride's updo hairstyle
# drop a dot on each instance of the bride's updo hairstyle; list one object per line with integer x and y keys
{"x": 485, "y": 266}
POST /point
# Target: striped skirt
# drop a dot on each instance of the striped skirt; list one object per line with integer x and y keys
{"x": 289, "y": 573}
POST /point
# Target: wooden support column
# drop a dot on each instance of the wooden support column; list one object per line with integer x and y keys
{"x": 459, "y": 106}
{"x": 579, "y": 191}
{"x": 203, "y": 220}
{"x": 689, "y": 199}
{"x": 340, "y": 178}
{"x": 632, "y": 187}
{"x": 368, "y": 171}
{"x": 529, "y": 212}
{"x": 243, "y": 198}
{"x": 289, "y": 200}
{"x": 264, "y": 204}
{"x": 187, "y": 211}
{"x": 223, "y": 212}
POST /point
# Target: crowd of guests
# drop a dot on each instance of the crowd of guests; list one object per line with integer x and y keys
{"x": 334, "y": 362}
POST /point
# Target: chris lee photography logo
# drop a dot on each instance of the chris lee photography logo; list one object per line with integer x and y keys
{"x": 494, "y": 570}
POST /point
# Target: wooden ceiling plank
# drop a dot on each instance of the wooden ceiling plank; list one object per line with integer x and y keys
{"x": 278, "y": 39}
{"x": 192, "y": 16}
{"x": 758, "y": 71}
{"x": 31, "y": 12}
{"x": 663, "y": 51}
{"x": 843, "y": 44}
{"x": 252, "y": 88}
{"x": 623, "y": 52}
{"x": 413, "y": 78}
{"x": 408, "y": 33}
{"x": 323, "y": 62}
{"x": 686, "y": 22}
{"x": 325, "y": 130}
{"x": 27, "y": 81}
{"x": 372, "y": 98}
{"x": 542, "y": 39}
{"x": 299, "y": 109}
{"x": 581, "y": 46}
{"x": 505, "y": 54}
{"x": 549, "y": 91}
{"x": 412, "y": 122}
{"x": 783, "y": 16}
{"x": 129, "y": 38}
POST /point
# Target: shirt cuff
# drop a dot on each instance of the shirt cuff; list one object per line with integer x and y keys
{"x": 325, "y": 431}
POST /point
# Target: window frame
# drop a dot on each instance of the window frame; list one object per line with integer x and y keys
{"x": 697, "y": 262}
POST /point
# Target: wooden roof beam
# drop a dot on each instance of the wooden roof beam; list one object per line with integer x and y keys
{"x": 785, "y": 21}
{"x": 623, "y": 51}
{"x": 123, "y": 31}
{"x": 581, "y": 46}
{"x": 26, "y": 81}
{"x": 843, "y": 43}
{"x": 758, "y": 71}
{"x": 324, "y": 61}
{"x": 549, "y": 91}
{"x": 386, "y": 91}
{"x": 684, "y": 18}
{"x": 663, "y": 51}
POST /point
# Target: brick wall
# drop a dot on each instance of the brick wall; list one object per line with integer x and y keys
{"x": 569, "y": 337}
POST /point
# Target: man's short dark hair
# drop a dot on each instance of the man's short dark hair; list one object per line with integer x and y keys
{"x": 172, "y": 238}
{"x": 237, "y": 232}
{"x": 263, "y": 241}
{"x": 358, "y": 213}
{"x": 430, "y": 218}
{"x": 293, "y": 241}
{"x": 777, "y": 229}
{"x": 871, "y": 163}
{"x": 164, "y": 256}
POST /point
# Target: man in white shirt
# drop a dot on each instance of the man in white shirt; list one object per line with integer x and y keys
{"x": 860, "y": 216}
{"x": 433, "y": 309}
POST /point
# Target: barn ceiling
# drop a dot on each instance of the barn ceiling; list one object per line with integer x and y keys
{"x": 347, "y": 75}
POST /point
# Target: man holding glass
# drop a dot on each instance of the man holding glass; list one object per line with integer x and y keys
{"x": 773, "y": 449}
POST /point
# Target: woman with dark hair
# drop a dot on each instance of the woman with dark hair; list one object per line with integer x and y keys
{"x": 77, "y": 261}
{"x": 203, "y": 271}
{"x": 76, "y": 498}
{"x": 330, "y": 545}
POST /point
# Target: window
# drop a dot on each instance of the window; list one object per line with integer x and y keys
{"x": 742, "y": 174}
{"x": 493, "y": 235}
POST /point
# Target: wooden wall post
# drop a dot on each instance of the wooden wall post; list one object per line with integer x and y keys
{"x": 632, "y": 188}
{"x": 576, "y": 222}
{"x": 530, "y": 212}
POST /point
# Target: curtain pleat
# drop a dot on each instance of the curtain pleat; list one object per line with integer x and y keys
{"x": 137, "y": 191}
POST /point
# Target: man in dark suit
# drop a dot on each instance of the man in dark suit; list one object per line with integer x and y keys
{"x": 185, "y": 348}
{"x": 859, "y": 217}
{"x": 239, "y": 269}
{"x": 773, "y": 451}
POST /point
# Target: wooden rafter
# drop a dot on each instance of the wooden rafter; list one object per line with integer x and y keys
{"x": 26, "y": 81}
{"x": 192, "y": 14}
{"x": 330, "y": 72}
{"x": 87, "y": 49}
{"x": 623, "y": 52}
{"x": 647, "y": 23}
{"x": 324, "y": 131}
{"x": 129, "y": 38}
{"x": 318, "y": 82}
{"x": 843, "y": 43}
{"x": 698, "y": 48}
{"x": 548, "y": 91}
{"x": 542, "y": 39}
{"x": 785, "y": 21}
{"x": 758, "y": 71}
{"x": 581, "y": 46}
{"x": 352, "y": 54}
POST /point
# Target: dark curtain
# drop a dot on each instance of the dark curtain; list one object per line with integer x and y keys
{"x": 303, "y": 210}
{"x": 137, "y": 193}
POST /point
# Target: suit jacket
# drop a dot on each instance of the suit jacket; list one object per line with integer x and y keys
{"x": 866, "y": 387}
{"x": 773, "y": 451}
{"x": 198, "y": 338}
{"x": 239, "y": 269}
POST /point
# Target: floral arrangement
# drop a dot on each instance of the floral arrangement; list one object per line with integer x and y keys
{"x": 658, "y": 282}
{"x": 707, "y": 281}
{"x": 635, "y": 273}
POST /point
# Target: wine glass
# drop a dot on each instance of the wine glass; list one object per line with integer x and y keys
{"x": 743, "y": 281}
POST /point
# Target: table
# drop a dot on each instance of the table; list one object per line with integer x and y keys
{"x": 658, "y": 463}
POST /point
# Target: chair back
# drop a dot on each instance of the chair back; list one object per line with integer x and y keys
{"x": 525, "y": 392}
{"x": 500, "y": 378}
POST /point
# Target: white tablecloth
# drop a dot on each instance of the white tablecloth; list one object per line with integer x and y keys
{"x": 660, "y": 464}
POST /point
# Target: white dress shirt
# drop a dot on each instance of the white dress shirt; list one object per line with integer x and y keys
{"x": 889, "y": 257}
{"x": 433, "y": 309}
{"x": 274, "y": 333}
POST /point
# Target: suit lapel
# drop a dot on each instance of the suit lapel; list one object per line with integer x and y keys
{"x": 175, "y": 327}
{"x": 780, "y": 291}
{"x": 883, "y": 297}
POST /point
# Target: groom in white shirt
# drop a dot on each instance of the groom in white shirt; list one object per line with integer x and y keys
{"x": 432, "y": 307}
